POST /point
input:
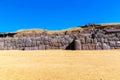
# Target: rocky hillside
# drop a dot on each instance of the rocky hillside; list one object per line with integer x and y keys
{"x": 87, "y": 37}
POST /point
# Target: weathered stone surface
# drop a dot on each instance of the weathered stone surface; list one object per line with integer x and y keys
{"x": 112, "y": 43}
{"x": 102, "y": 40}
{"x": 91, "y": 46}
{"x": 27, "y": 48}
{"x": 99, "y": 35}
{"x": 94, "y": 41}
{"x": 77, "y": 45}
{"x": 37, "y": 43}
{"x": 47, "y": 47}
{"x": 99, "y": 39}
{"x": 70, "y": 40}
{"x": 118, "y": 43}
{"x": 83, "y": 41}
{"x": 85, "y": 47}
{"x": 87, "y": 39}
{"x": 117, "y": 34}
{"x": 106, "y": 40}
{"x": 98, "y": 46}
{"x": 105, "y": 46}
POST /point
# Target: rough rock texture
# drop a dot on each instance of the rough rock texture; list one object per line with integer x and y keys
{"x": 77, "y": 45}
{"x": 88, "y": 37}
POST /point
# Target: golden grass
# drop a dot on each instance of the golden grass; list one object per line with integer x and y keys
{"x": 60, "y": 65}
{"x": 47, "y": 31}
{"x": 62, "y": 31}
{"x": 23, "y": 31}
{"x": 109, "y": 24}
{"x": 31, "y": 31}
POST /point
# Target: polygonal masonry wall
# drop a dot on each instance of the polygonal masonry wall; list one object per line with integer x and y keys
{"x": 89, "y": 38}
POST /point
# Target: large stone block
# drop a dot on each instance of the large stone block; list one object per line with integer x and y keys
{"x": 102, "y": 40}
{"x": 28, "y": 43}
{"x": 46, "y": 42}
{"x": 34, "y": 48}
{"x": 1, "y": 40}
{"x": 33, "y": 43}
{"x": 14, "y": 47}
{"x": 105, "y": 36}
{"x": 83, "y": 41}
{"x": 2, "y": 44}
{"x": 19, "y": 41}
{"x": 46, "y": 38}
{"x": 106, "y": 40}
{"x": 99, "y": 35}
{"x": 88, "y": 40}
{"x": 38, "y": 38}
{"x": 66, "y": 37}
{"x": 23, "y": 44}
{"x": 94, "y": 41}
{"x": 112, "y": 43}
{"x": 27, "y": 48}
{"x": 77, "y": 45}
{"x": 70, "y": 40}
{"x": 118, "y": 43}
{"x": 98, "y": 46}
{"x": 47, "y": 47}
{"x": 116, "y": 39}
{"x": 91, "y": 46}
{"x": 38, "y": 43}
{"x": 41, "y": 47}
{"x": 85, "y": 47}
{"x": 105, "y": 46}
{"x": 117, "y": 34}
{"x": 99, "y": 39}
{"x": 10, "y": 48}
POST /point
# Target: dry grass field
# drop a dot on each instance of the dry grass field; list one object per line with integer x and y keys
{"x": 60, "y": 65}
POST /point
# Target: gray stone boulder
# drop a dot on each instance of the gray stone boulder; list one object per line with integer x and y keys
{"x": 112, "y": 43}
{"x": 77, "y": 45}
{"x": 118, "y": 43}
{"x": 105, "y": 46}
{"x": 98, "y": 46}
{"x": 87, "y": 39}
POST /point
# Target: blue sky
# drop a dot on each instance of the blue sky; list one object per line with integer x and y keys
{"x": 56, "y": 14}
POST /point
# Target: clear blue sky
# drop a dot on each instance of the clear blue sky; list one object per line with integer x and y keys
{"x": 56, "y": 14}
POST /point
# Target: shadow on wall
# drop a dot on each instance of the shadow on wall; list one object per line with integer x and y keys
{"x": 71, "y": 46}
{"x": 7, "y": 34}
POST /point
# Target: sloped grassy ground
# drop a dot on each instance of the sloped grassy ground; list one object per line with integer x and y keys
{"x": 60, "y": 65}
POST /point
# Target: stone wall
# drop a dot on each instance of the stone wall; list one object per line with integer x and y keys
{"x": 89, "y": 38}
